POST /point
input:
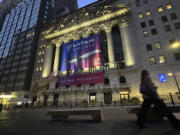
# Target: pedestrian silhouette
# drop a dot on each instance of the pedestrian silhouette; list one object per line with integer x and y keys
{"x": 150, "y": 96}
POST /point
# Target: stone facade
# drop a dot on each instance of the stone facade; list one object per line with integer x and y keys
{"x": 104, "y": 16}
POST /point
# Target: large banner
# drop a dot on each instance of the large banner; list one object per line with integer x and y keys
{"x": 83, "y": 53}
{"x": 82, "y": 79}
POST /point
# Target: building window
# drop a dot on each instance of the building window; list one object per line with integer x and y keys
{"x": 117, "y": 44}
{"x": 152, "y": 60}
{"x": 122, "y": 79}
{"x": 154, "y": 31}
{"x": 162, "y": 59}
{"x": 106, "y": 81}
{"x": 149, "y": 47}
{"x": 172, "y": 41}
{"x": 158, "y": 45}
{"x": 92, "y": 97}
{"x": 167, "y": 28}
{"x": 143, "y": 24}
{"x": 43, "y": 52}
{"x": 160, "y": 9}
{"x": 137, "y": 2}
{"x": 145, "y": 1}
{"x": 148, "y": 12}
{"x": 177, "y": 25}
{"x": 177, "y": 56}
{"x": 42, "y": 60}
{"x": 145, "y": 33}
{"x": 164, "y": 19}
{"x": 39, "y": 53}
{"x": 173, "y": 16}
{"x": 37, "y": 69}
{"x": 169, "y": 6}
{"x": 40, "y": 69}
{"x": 140, "y": 15}
{"x": 151, "y": 22}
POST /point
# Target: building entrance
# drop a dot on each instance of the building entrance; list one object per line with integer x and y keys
{"x": 55, "y": 100}
{"x": 107, "y": 97}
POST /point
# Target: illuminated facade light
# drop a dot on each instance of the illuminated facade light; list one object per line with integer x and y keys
{"x": 140, "y": 15}
{"x": 175, "y": 45}
{"x": 162, "y": 59}
{"x": 160, "y": 9}
{"x": 169, "y": 6}
{"x": 148, "y": 12}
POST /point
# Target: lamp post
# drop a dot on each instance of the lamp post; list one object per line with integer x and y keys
{"x": 174, "y": 76}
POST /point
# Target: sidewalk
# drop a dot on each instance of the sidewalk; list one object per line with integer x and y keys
{"x": 116, "y": 122}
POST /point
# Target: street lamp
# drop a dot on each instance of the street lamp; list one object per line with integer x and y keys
{"x": 175, "y": 45}
{"x": 174, "y": 76}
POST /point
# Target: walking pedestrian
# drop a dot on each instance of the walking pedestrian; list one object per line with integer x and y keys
{"x": 150, "y": 96}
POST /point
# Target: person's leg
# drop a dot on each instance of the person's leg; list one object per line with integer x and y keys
{"x": 143, "y": 111}
{"x": 166, "y": 112}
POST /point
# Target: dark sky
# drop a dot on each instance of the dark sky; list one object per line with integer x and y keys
{"x": 83, "y": 3}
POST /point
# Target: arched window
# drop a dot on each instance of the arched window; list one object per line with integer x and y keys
{"x": 117, "y": 44}
{"x": 122, "y": 79}
{"x": 104, "y": 47}
{"x": 106, "y": 81}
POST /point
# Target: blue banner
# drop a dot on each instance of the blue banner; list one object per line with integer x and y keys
{"x": 81, "y": 53}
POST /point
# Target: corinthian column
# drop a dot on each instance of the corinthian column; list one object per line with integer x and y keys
{"x": 47, "y": 61}
{"x": 56, "y": 61}
{"x": 110, "y": 47}
{"x": 127, "y": 43}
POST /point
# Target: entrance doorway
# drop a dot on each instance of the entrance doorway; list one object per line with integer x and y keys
{"x": 55, "y": 100}
{"x": 107, "y": 97}
{"x": 124, "y": 96}
{"x": 92, "y": 97}
{"x": 45, "y": 100}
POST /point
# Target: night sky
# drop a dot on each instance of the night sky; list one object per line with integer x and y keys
{"x": 83, "y": 3}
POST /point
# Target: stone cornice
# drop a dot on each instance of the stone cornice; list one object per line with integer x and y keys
{"x": 71, "y": 22}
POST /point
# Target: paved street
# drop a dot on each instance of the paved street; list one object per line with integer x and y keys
{"x": 116, "y": 122}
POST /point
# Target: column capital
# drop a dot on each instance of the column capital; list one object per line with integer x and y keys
{"x": 108, "y": 28}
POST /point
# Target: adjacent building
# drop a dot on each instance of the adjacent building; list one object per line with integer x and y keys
{"x": 5, "y": 8}
{"x": 18, "y": 44}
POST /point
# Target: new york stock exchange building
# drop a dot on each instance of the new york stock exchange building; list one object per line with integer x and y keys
{"x": 95, "y": 55}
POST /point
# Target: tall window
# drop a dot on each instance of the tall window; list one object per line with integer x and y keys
{"x": 117, "y": 42}
{"x": 53, "y": 57}
{"x": 60, "y": 57}
{"x": 104, "y": 47}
